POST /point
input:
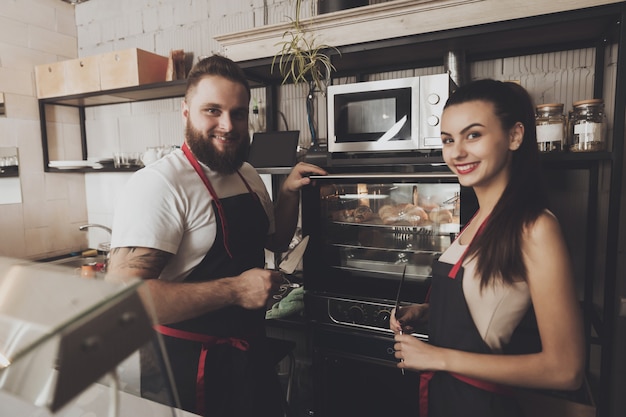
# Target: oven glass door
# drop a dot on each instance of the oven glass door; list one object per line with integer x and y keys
{"x": 366, "y": 229}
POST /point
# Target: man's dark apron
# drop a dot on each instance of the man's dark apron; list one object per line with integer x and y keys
{"x": 451, "y": 325}
{"x": 220, "y": 360}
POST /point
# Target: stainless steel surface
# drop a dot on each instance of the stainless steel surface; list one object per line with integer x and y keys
{"x": 78, "y": 261}
{"x": 417, "y": 272}
{"x": 292, "y": 259}
{"x": 397, "y": 307}
{"x": 386, "y": 176}
{"x": 455, "y": 64}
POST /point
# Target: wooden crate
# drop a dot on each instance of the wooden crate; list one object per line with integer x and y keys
{"x": 50, "y": 79}
{"x": 82, "y": 75}
{"x": 131, "y": 67}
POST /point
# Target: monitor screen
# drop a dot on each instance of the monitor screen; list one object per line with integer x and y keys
{"x": 274, "y": 149}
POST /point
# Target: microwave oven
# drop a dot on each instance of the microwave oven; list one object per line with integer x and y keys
{"x": 387, "y": 115}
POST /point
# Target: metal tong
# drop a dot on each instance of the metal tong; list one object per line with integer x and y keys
{"x": 397, "y": 309}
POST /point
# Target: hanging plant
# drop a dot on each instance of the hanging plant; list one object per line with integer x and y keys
{"x": 300, "y": 58}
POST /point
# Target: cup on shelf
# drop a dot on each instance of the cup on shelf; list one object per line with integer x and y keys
{"x": 126, "y": 159}
{"x": 154, "y": 153}
{"x": 150, "y": 155}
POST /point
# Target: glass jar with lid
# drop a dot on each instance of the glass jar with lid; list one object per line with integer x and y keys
{"x": 551, "y": 127}
{"x": 588, "y": 126}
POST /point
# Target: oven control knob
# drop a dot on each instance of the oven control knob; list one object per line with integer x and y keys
{"x": 433, "y": 99}
{"x": 382, "y": 318}
{"x": 356, "y": 314}
{"x": 432, "y": 120}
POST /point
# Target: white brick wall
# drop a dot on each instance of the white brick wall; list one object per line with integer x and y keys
{"x": 160, "y": 26}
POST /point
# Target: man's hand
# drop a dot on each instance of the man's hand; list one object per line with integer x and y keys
{"x": 255, "y": 286}
{"x": 299, "y": 176}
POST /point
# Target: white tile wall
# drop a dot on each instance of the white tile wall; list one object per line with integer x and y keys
{"x": 45, "y": 223}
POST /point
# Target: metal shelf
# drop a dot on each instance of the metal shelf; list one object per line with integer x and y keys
{"x": 146, "y": 92}
{"x": 156, "y": 91}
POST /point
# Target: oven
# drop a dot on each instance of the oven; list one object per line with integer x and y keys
{"x": 365, "y": 230}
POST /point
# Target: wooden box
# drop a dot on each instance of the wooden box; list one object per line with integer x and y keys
{"x": 131, "y": 67}
{"x": 50, "y": 79}
{"x": 82, "y": 75}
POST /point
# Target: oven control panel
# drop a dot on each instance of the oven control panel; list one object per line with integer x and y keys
{"x": 371, "y": 315}
{"x": 366, "y": 314}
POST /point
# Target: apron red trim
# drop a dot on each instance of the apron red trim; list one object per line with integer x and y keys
{"x": 426, "y": 376}
{"x": 207, "y": 342}
{"x": 220, "y": 209}
{"x": 484, "y": 385}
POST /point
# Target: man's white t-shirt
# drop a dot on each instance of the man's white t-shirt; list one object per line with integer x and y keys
{"x": 166, "y": 206}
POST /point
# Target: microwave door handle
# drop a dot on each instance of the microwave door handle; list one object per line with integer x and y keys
{"x": 393, "y": 131}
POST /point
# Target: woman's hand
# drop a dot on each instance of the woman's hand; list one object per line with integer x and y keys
{"x": 416, "y": 355}
{"x": 408, "y": 318}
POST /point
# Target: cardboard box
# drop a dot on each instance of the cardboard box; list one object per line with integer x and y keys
{"x": 82, "y": 75}
{"x": 50, "y": 79}
{"x": 131, "y": 67}
{"x": 118, "y": 69}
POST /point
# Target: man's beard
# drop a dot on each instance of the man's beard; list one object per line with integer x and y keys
{"x": 227, "y": 162}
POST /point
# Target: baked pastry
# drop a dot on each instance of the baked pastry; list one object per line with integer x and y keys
{"x": 342, "y": 215}
{"x": 403, "y": 213}
{"x": 362, "y": 214}
{"x": 441, "y": 216}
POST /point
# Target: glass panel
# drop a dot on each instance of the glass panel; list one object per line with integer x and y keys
{"x": 382, "y": 227}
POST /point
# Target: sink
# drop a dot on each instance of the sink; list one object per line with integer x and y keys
{"x": 78, "y": 261}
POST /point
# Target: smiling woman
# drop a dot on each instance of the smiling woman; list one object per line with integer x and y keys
{"x": 10, "y": 189}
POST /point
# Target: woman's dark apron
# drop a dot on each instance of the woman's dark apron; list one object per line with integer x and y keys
{"x": 444, "y": 394}
{"x": 220, "y": 360}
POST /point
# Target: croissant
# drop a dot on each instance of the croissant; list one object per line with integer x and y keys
{"x": 409, "y": 213}
{"x": 362, "y": 214}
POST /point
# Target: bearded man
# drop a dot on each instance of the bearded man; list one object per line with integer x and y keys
{"x": 194, "y": 226}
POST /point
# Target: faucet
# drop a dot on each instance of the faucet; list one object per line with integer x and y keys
{"x": 103, "y": 246}
{"x": 87, "y": 226}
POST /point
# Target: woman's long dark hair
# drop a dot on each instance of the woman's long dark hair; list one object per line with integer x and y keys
{"x": 498, "y": 248}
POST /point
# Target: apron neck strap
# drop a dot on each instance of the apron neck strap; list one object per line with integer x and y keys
{"x": 455, "y": 268}
{"x": 220, "y": 209}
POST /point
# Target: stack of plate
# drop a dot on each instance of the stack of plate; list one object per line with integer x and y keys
{"x": 75, "y": 164}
